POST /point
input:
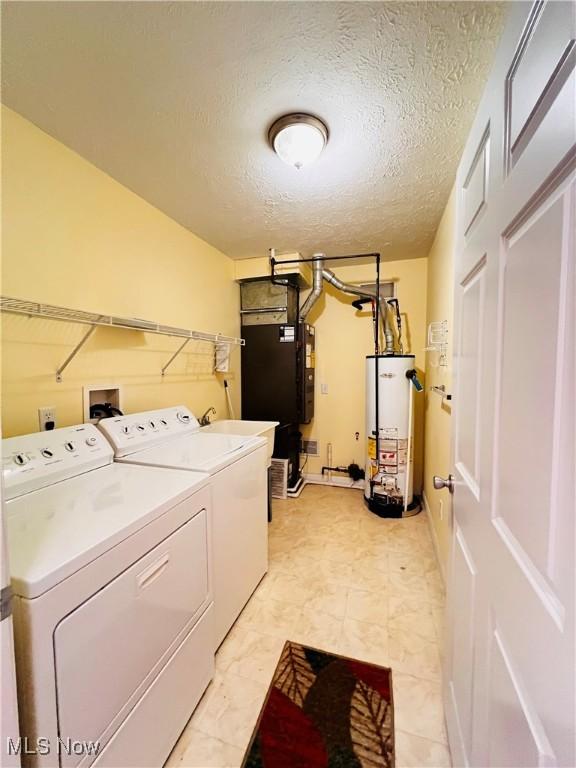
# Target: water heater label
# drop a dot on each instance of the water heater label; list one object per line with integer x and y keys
{"x": 288, "y": 333}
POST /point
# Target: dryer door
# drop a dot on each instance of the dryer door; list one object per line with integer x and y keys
{"x": 110, "y": 649}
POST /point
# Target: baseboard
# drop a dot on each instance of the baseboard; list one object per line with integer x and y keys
{"x": 441, "y": 564}
{"x": 339, "y": 482}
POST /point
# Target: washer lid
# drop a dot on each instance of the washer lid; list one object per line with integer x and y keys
{"x": 201, "y": 451}
{"x": 54, "y": 532}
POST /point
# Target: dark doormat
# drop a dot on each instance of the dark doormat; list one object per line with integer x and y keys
{"x": 324, "y": 711}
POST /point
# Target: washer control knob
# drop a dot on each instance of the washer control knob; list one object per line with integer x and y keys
{"x": 183, "y": 417}
{"x": 70, "y": 446}
{"x": 164, "y": 422}
{"x": 47, "y": 453}
{"x": 91, "y": 440}
{"x": 126, "y": 429}
{"x": 152, "y": 424}
{"x": 21, "y": 459}
{"x": 141, "y": 428}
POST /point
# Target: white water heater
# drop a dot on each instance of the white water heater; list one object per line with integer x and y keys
{"x": 391, "y": 382}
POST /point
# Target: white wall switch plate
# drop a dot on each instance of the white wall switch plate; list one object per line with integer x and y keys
{"x": 441, "y": 509}
{"x": 324, "y": 389}
{"x": 47, "y": 418}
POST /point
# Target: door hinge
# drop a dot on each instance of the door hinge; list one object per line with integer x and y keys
{"x": 5, "y": 602}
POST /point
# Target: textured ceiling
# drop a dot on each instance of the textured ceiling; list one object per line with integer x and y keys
{"x": 174, "y": 101}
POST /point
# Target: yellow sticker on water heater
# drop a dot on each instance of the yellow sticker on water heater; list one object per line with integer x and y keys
{"x": 371, "y": 449}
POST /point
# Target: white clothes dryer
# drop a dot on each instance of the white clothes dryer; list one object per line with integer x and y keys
{"x": 237, "y": 465}
{"x": 111, "y": 572}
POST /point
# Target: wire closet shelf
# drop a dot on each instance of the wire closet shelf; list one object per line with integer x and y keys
{"x": 92, "y": 319}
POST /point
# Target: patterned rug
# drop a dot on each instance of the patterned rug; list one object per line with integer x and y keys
{"x": 324, "y": 711}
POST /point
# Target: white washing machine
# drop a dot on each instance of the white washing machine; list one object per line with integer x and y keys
{"x": 111, "y": 570}
{"x": 237, "y": 466}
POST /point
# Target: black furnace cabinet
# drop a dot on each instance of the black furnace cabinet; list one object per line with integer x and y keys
{"x": 278, "y": 373}
{"x": 277, "y": 363}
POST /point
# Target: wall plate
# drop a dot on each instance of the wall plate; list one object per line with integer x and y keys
{"x": 101, "y": 393}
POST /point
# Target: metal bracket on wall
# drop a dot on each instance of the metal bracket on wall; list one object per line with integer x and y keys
{"x": 440, "y": 389}
{"x": 174, "y": 356}
{"x": 53, "y": 312}
{"x": 74, "y": 352}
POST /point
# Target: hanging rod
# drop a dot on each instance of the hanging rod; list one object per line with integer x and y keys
{"x": 53, "y": 312}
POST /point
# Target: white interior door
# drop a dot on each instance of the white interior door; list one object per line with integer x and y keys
{"x": 509, "y": 667}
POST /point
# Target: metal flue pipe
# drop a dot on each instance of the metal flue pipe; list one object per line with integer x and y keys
{"x": 316, "y": 286}
{"x": 331, "y": 278}
{"x": 320, "y": 273}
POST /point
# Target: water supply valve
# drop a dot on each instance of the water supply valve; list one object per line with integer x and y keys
{"x": 413, "y": 376}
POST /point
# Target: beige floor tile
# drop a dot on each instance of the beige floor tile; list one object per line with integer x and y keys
{"x": 417, "y": 752}
{"x": 414, "y": 655}
{"x": 439, "y": 617}
{"x": 328, "y": 597}
{"x": 362, "y": 576}
{"x": 371, "y": 607}
{"x": 363, "y": 641}
{"x": 290, "y": 562}
{"x": 321, "y": 571}
{"x": 436, "y": 594}
{"x": 345, "y": 581}
{"x": 229, "y": 709}
{"x": 418, "y": 707}
{"x": 318, "y": 630}
{"x": 290, "y": 588}
{"x": 250, "y": 654}
{"x": 408, "y": 584}
{"x": 399, "y": 561}
{"x": 265, "y": 587}
{"x": 405, "y": 546}
{"x": 199, "y": 750}
{"x": 400, "y": 604}
{"x": 373, "y": 560}
{"x": 313, "y": 550}
{"x": 339, "y": 552}
{"x": 271, "y": 617}
{"x": 419, "y": 623}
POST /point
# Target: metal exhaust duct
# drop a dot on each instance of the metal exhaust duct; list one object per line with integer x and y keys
{"x": 322, "y": 273}
{"x": 316, "y": 286}
{"x": 331, "y": 278}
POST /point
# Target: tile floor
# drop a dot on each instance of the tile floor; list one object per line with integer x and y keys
{"x": 343, "y": 580}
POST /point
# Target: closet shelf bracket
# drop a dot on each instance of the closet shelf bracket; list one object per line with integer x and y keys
{"x": 74, "y": 352}
{"x": 92, "y": 319}
{"x": 175, "y": 355}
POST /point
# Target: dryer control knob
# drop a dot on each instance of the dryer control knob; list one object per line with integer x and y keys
{"x": 126, "y": 429}
{"x": 70, "y": 446}
{"x": 47, "y": 453}
{"x": 21, "y": 459}
{"x": 183, "y": 417}
{"x": 91, "y": 440}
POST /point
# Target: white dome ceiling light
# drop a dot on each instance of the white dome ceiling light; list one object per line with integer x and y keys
{"x": 298, "y": 139}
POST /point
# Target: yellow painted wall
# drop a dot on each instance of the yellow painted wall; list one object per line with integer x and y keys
{"x": 73, "y": 236}
{"x": 438, "y": 413}
{"x": 343, "y": 339}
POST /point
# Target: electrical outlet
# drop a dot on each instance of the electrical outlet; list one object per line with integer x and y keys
{"x": 47, "y": 418}
{"x": 441, "y": 509}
